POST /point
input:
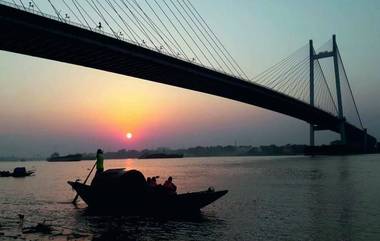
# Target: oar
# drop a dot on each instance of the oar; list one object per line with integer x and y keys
{"x": 76, "y": 197}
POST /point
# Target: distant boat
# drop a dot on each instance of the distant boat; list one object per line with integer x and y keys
{"x": 17, "y": 172}
{"x": 55, "y": 157}
{"x": 160, "y": 155}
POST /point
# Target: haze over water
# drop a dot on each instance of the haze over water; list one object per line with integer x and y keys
{"x": 270, "y": 198}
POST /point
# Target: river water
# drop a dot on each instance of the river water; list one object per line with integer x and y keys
{"x": 270, "y": 198}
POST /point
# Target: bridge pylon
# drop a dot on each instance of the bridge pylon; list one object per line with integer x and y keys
{"x": 329, "y": 54}
{"x": 311, "y": 87}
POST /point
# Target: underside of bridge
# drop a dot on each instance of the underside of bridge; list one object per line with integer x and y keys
{"x": 26, "y": 33}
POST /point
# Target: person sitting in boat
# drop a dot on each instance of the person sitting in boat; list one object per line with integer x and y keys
{"x": 154, "y": 182}
{"x": 169, "y": 186}
{"x": 99, "y": 161}
{"x": 151, "y": 181}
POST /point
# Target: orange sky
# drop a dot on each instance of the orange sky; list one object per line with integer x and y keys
{"x": 97, "y": 108}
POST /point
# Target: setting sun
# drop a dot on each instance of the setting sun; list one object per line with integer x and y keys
{"x": 129, "y": 135}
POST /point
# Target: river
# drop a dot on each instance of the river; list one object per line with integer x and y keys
{"x": 269, "y": 198}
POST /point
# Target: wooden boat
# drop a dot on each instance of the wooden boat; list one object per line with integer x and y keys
{"x": 127, "y": 192}
{"x": 17, "y": 172}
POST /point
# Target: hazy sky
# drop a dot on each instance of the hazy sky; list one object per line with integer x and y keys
{"x": 48, "y": 106}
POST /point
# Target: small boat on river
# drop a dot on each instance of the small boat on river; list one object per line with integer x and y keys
{"x": 17, "y": 172}
{"x": 127, "y": 192}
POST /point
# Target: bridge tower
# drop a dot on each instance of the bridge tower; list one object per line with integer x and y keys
{"x": 329, "y": 54}
{"x": 311, "y": 89}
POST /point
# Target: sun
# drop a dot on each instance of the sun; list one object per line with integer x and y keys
{"x": 129, "y": 135}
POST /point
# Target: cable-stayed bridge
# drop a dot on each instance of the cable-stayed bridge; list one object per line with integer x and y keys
{"x": 170, "y": 42}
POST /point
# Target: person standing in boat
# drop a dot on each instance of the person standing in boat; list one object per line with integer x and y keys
{"x": 99, "y": 161}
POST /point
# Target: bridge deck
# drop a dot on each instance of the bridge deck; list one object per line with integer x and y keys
{"x": 34, "y": 35}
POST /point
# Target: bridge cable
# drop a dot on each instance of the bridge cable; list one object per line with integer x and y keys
{"x": 130, "y": 27}
{"x": 113, "y": 19}
{"x": 266, "y": 77}
{"x": 187, "y": 32}
{"x": 303, "y": 90}
{"x": 299, "y": 91}
{"x": 80, "y": 12}
{"x": 22, "y": 4}
{"x": 327, "y": 86}
{"x": 349, "y": 87}
{"x": 280, "y": 71}
{"x": 304, "y": 94}
{"x": 326, "y": 72}
{"x": 176, "y": 29}
{"x": 208, "y": 41}
{"x": 121, "y": 29}
{"x": 68, "y": 6}
{"x": 265, "y": 73}
{"x": 297, "y": 80}
{"x": 160, "y": 45}
{"x": 294, "y": 77}
{"x": 305, "y": 84}
{"x": 131, "y": 32}
{"x": 320, "y": 99}
{"x": 155, "y": 28}
{"x": 290, "y": 89}
{"x": 143, "y": 26}
{"x": 197, "y": 35}
{"x": 97, "y": 10}
{"x": 214, "y": 38}
{"x": 319, "y": 92}
{"x": 55, "y": 10}
{"x": 139, "y": 25}
{"x": 158, "y": 30}
{"x": 300, "y": 79}
{"x": 167, "y": 30}
{"x": 34, "y": 4}
{"x": 291, "y": 71}
{"x": 87, "y": 14}
{"x": 272, "y": 76}
{"x": 289, "y": 79}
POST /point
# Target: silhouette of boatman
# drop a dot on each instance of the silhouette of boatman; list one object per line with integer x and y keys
{"x": 99, "y": 161}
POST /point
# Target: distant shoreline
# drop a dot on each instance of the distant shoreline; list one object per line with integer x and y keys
{"x": 216, "y": 151}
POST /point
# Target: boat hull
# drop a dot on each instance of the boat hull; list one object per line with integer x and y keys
{"x": 151, "y": 201}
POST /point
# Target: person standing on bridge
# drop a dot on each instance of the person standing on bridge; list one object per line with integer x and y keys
{"x": 99, "y": 161}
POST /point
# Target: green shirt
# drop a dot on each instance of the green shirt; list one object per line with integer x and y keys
{"x": 99, "y": 162}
